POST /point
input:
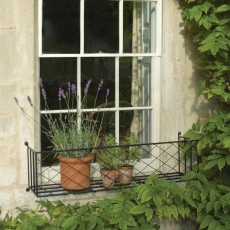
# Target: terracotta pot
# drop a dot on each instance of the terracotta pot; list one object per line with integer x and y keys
{"x": 75, "y": 172}
{"x": 108, "y": 177}
{"x": 125, "y": 174}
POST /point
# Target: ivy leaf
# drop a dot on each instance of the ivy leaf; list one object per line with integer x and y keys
{"x": 217, "y": 206}
{"x": 221, "y": 163}
{"x": 149, "y": 213}
{"x": 210, "y": 165}
{"x": 223, "y": 8}
{"x": 70, "y": 223}
{"x": 226, "y": 142}
{"x": 228, "y": 159}
{"x": 202, "y": 178}
{"x": 189, "y": 175}
{"x": 138, "y": 209}
{"x": 209, "y": 206}
{"x": 174, "y": 211}
{"x": 206, "y": 221}
{"x": 146, "y": 195}
{"x": 215, "y": 225}
{"x": 195, "y": 13}
{"x": 181, "y": 210}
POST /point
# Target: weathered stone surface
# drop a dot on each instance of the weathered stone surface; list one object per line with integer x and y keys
{"x": 7, "y": 126}
{"x": 8, "y": 176}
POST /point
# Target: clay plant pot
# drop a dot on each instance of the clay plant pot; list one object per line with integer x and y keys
{"x": 75, "y": 172}
{"x": 108, "y": 177}
{"x": 125, "y": 174}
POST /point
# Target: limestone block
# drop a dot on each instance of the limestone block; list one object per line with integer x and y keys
{"x": 7, "y": 153}
{"x": 8, "y": 176}
{"x": 7, "y": 57}
{"x": 7, "y": 99}
{"x": 6, "y": 13}
{"x": 7, "y": 126}
{"x": 6, "y": 202}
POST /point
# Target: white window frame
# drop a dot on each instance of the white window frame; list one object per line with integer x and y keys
{"x": 155, "y": 73}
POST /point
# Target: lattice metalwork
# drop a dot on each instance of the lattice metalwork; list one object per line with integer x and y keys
{"x": 167, "y": 159}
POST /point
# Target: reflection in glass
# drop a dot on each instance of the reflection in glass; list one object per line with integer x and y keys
{"x": 98, "y": 69}
{"x": 61, "y": 26}
{"x": 101, "y": 26}
{"x": 139, "y": 31}
{"x": 56, "y": 73}
{"x": 135, "y": 80}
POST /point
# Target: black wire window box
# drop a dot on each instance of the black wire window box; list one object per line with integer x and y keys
{"x": 165, "y": 159}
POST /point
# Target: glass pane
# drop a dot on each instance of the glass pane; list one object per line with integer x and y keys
{"x": 61, "y": 26}
{"x": 142, "y": 127}
{"x": 135, "y": 81}
{"x": 125, "y": 123}
{"x": 56, "y": 73}
{"x": 98, "y": 69}
{"x": 101, "y": 26}
{"x": 139, "y": 31}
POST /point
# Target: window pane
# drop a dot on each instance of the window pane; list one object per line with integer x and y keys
{"x": 61, "y": 26}
{"x": 98, "y": 69}
{"x": 135, "y": 81}
{"x": 56, "y": 73}
{"x": 101, "y": 26}
{"x": 139, "y": 31}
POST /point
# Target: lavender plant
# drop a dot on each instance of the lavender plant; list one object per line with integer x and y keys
{"x": 71, "y": 129}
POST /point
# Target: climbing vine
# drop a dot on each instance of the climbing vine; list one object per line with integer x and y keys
{"x": 207, "y": 23}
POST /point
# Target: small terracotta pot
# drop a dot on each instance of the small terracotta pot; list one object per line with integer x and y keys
{"x": 125, "y": 174}
{"x": 75, "y": 173}
{"x": 108, "y": 177}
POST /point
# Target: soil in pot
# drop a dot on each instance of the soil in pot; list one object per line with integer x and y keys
{"x": 108, "y": 177}
{"x": 125, "y": 174}
{"x": 75, "y": 173}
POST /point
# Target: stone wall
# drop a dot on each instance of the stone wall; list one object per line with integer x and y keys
{"x": 18, "y": 25}
{"x": 16, "y": 79}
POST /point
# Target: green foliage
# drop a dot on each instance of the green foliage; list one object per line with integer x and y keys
{"x": 207, "y": 22}
{"x": 109, "y": 157}
{"x": 132, "y": 152}
{"x": 132, "y": 209}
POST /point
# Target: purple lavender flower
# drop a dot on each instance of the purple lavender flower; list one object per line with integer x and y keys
{"x": 73, "y": 88}
{"x": 100, "y": 85}
{"x": 107, "y": 93}
{"x": 30, "y": 101}
{"x": 69, "y": 86}
{"x": 63, "y": 94}
{"x": 87, "y": 87}
{"x": 59, "y": 94}
{"x": 44, "y": 93}
{"x": 40, "y": 82}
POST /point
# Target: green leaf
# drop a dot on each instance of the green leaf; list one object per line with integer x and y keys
{"x": 146, "y": 195}
{"x": 226, "y": 142}
{"x": 70, "y": 223}
{"x": 174, "y": 211}
{"x": 221, "y": 163}
{"x": 195, "y": 13}
{"x": 210, "y": 164}
{"x": 189, "y": 175}
{"x": 223, "y": 8}
{"x": 202, "y": 178}
{"x": 206, "y": 221}
{"x": 181, "y": 210}
{"x": 217, "y": 206}
{"x": 214, "y": 225}
{"x": 209, "y": 206}
{"x": 149, "y": 214}
{"x": 138, "y": 209}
